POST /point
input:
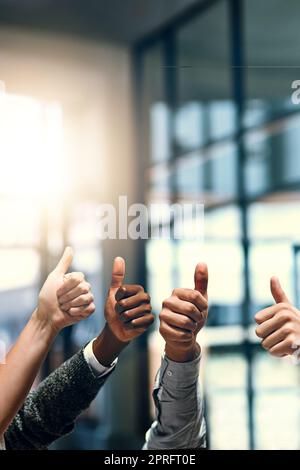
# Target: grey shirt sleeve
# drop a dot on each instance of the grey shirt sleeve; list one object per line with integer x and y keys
{"x": 180, "y": 422}
{"x": 51, "y": 411}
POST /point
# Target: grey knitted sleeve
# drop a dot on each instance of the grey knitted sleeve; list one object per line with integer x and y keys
{"x": 50, "y": 411}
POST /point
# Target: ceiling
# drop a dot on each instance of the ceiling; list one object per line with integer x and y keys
{"x": 117, "y": 20}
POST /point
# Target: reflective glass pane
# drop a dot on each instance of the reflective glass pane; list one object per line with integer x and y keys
{"x": 208, "y": 176}
{"x": 272, "y": 156}
{"x": 272, "y": 39}
{"x": 160, "y": 259}
{"x": 227, "y": 401}
{"x": 205, "y": 108}
{"x": 155, "y": 113}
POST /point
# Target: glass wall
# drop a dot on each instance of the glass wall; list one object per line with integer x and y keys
{"x": 219, "y": 127}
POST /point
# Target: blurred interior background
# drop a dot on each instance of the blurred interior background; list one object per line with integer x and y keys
{"x": 162, "y": 101}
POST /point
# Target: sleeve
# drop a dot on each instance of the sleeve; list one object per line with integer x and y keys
{"x": 180, "y": 422}
{"x": 93, "y": 362}
{"x": 50, "y": 411}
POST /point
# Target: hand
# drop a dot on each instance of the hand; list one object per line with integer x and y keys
{"x": 182, "y": 317}
{"x": 127, "y": 309}
{"x": 279, "y": 325}
{"x": 64, "y": 299}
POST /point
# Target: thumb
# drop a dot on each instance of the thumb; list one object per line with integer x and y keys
{"x": 118, "y": 272}
{"x": 201, "y": 279}
{"x": 65, "y": 261}
{"x": 277, "y": 291}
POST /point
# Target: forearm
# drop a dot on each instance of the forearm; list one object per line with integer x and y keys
{"x": 51, "y": 411}
{"x": 22, "y": 364}
{"x": 179, "y": 420}
{"x": 107, "y": 347}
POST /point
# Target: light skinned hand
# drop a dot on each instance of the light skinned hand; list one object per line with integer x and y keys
{"x": 65, "y": 299}
{"x": 182, "y": 317}
{"x": 279, "y": 325}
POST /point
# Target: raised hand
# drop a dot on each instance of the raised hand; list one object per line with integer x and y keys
{"x": 127, "y": 309}
{"x": 64, "y": 299}
{"x": 182, "y": 317}
{"x": 279, "y": 325}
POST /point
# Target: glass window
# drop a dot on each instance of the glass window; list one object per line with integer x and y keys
{"x": 194, "y": 153}
{"x": 205, "y": 108}
{"x": 155, "y": 115}
{"x": 159, "y": 188}
{"x": 208, "y": 176}
{"x": 272, "y": 39}
{"x": 160, "y": 265}
{"x": 276, "y": 404}
{"x": 271, "y": 247}
{"x": 272, "y": 156}
{"x": 227, "y": 400}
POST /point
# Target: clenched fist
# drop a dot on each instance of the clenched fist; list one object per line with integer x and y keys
{"x": 182, "y": 317}
{"x": 64, "y": 299}
{"x": 127, "y": 309}
{"x": 279, "y": 325}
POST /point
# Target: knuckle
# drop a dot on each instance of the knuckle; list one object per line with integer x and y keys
{"x": 291, "y": 341}
{"x": 257, "y": 317}
{"x": 186, "y": 323}
{"x": 161, "y": 330}
{"x": 191, "y": 308}
{"x": 258, "y": 332}
{"x": 194, "y": 296}
{"x": 147, "y": 308}
{"x": 288, "y": 329}
{"x": 84, "y": 289}
{"x": 285, "y": 315}
{"x": 284, "y": 306}
{"x": 91, "y": 308}
{"x": 162, "y": 315}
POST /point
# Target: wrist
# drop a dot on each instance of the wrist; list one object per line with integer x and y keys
{"x": 42, "y": 328}
{"x": 179, "y": 352}
{"x": 107, "y": 347}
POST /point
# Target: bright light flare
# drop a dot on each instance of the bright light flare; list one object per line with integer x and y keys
{"x": 31, "y": 147}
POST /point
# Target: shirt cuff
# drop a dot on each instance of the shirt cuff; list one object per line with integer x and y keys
{"x": 93, "y": 362}
{"x": 179, "y": 374}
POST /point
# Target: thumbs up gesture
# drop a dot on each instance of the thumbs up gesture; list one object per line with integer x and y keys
{"x": 127, "y": 309}
{"x": 182, "y": 317}
{"x": 64, "y": 299}
{"x": 279, "y": 325}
